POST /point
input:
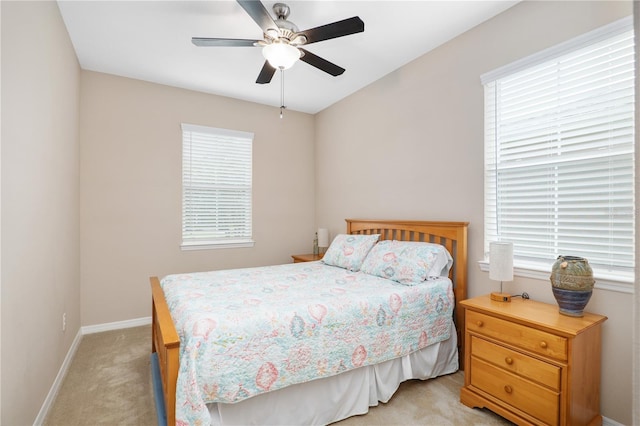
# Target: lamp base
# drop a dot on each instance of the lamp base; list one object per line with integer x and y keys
{"x": 501, "y": 297}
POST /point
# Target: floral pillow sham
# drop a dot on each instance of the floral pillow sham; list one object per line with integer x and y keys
{"x": 349, "y": 251}
{"x": 407, "y": 262}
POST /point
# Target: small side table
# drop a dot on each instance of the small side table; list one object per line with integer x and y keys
{"x": 298, "y": 258}
{"x": 530, "y": 364}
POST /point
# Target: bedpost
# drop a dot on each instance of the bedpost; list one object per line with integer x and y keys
{"x": 461, "y": 280}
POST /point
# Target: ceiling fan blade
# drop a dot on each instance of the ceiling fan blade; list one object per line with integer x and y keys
{"x": 320, "y": 63}
{"x": 266, "y": 74}
{"x": 232, "y": 42}
{"x": 334, "y": 30}
{"x": 259, "y": 14}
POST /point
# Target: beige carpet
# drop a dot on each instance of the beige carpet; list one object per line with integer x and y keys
{"x": 109, "y": 383}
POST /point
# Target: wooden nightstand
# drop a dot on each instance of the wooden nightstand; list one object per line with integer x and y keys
{"x": 297, "y": 258}
{"x": 530, "y": 364}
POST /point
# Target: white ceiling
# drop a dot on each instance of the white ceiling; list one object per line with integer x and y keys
{"x": 151, "y": 41}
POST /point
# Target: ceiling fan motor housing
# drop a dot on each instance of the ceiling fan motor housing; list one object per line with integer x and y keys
{"x": 286, "y": 29}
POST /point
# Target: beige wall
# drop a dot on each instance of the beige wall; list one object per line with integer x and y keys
{"x": 411, "y": 146}
{"x": 131, "y": 188}
{"x": 40, "y": 204}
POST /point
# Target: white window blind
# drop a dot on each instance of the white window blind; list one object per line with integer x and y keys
{"x": 559, "y": 153}
{"x": 216, "y": 187}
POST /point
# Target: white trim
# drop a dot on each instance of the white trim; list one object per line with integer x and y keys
{"x": 616, "y": 27}
{"x": 610, "y": 422}
{"x": 601, "y": 283}
{"x": 220, "y": 245}
{"x": 216, "y": 131}
{"x": 57, "y": 383}
{"x": 98, "y": 328}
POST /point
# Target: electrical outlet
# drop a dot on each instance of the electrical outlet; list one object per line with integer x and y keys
{"x": 64, "y": 321}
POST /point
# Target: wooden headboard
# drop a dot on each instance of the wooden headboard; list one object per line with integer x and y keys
{"x": 452, "y": 235}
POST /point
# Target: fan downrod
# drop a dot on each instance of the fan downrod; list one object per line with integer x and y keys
{"x": 281, "y": 10}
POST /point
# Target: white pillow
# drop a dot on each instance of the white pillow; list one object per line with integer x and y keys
{"x": 349, "y": 251}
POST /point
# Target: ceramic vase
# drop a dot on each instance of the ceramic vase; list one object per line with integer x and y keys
{"x": 572, "y": 284}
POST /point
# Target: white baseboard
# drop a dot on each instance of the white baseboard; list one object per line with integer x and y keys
{"x": 90, "y": 329}
{"x": 53, "y": 392}
{"x": 57, "y": 383}
{"x": 608, "y": 422}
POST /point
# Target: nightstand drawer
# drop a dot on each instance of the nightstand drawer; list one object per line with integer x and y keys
{"x": 533, "y": 399}
{"x": 530, "y": 368}
{"x": 521, "y": 336}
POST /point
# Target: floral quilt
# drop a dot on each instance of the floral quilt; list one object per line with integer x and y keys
{"x": 248, "y": 331}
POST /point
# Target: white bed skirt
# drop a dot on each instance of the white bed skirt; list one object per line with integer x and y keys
{"x": 331, "y": 399}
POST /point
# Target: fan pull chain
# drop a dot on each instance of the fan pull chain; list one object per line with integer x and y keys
{"x": 282, "y": 107}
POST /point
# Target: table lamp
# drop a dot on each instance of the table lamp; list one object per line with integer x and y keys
{"x": 323, "y": 239}
{"x": 501, "y": 267}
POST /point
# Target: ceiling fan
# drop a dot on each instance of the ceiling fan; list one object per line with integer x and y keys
{"x": 282, "y": 41}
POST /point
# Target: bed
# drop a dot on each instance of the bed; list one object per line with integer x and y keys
{"x": 307, "y": 389}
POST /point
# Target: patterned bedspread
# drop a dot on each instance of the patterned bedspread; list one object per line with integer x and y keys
{"x": 248, "y": 331}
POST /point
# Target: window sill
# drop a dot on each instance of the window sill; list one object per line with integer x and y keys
{"x": 603, "y": 281}
{"x": 216, "y": 245}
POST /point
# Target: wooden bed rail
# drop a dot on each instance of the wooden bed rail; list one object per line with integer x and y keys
{"x": 166, "y": 343}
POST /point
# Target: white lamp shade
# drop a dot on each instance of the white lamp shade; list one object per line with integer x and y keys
{"x": 281, "y": 55}
{"x": 323, "y": 237}
{"x": 501, "y": 261}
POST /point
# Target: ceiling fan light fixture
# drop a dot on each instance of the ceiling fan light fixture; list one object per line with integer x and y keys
{"x": 281, "y": 55}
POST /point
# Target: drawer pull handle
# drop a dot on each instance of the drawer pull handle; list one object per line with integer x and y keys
{"x": 508, "y": 360}
{"x": 508, "y": 389}
{"x": 543, "y": 344}
{"x": 479, "y": 323}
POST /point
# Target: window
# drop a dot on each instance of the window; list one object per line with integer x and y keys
{"x": 559, "y": 154}
{"x": 216, "y": 187}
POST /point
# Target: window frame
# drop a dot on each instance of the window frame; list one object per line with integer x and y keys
{"x": 605, "y": 279}
{"x": 198, "y": 243}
